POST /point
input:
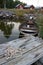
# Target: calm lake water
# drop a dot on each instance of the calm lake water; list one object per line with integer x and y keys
{"x": 9, "y": 31}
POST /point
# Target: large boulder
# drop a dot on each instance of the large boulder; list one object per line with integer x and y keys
{"x": 6, "y": 14}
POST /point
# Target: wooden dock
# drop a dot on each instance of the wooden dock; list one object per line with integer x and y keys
{"x": 24, "y": 51}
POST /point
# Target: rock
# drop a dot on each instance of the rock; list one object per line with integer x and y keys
{"x": 6, "y": 14}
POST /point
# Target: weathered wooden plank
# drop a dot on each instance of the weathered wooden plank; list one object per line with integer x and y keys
{"x": 29, "y": 58}
{"x": 22, "y": 51}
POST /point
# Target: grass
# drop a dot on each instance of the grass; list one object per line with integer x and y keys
{"x": 39, "y": 22}
{"x": 21, "y": 12}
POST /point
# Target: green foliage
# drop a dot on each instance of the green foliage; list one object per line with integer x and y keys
{"x": 1, "y": 3}
{"x": 41, "y": 32}
{"x": 39, "y": 21}
{"x": 9, "y": 3}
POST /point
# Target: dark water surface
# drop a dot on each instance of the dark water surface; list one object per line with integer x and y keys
{"x": 9, "y": 30}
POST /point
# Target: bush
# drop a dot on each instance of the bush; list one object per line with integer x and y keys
{"x": 41, "y": 32}
{"x": 39, "y": 21}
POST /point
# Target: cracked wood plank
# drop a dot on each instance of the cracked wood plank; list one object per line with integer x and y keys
{"x": 27, "y": 51}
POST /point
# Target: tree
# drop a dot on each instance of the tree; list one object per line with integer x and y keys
{"x": 4, "y": 2}
{"x": 9, "y": 3}
{"x": 1, "y": 3}
{"x": 16, "y": 2}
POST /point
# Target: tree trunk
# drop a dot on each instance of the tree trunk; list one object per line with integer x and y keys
{"x": 4, "y": 4}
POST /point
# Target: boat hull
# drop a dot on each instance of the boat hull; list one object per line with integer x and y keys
{"x": 24, "y": 31}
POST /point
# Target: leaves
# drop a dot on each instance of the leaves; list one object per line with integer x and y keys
{"x": 10, "y": 3}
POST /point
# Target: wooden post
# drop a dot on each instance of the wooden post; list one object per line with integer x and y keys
{"x": 4, "y": 4}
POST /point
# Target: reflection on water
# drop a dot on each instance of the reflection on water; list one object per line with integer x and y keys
{"x": 9, "y": 31}
{"x": 6, "y": 28}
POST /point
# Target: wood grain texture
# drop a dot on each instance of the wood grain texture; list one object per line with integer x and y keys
{"x": 24, "y": 51}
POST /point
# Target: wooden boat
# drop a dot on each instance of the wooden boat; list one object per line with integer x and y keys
{"x": 29, "y": 27}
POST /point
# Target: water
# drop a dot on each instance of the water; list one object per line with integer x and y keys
{"x": 9, "y": 30}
